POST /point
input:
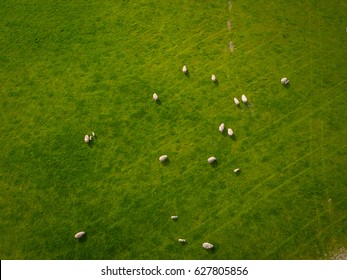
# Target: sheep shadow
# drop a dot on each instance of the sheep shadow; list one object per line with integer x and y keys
{"x": 233, "y": 137}
{"x": 214, "y": 164}
{"x": 287, "y": 85}
{"x": 83, "y": 239}
{"x": 91, "y": 144}
{"x": 158, "y": 102}
{"x": 248, "y": 105}
{"x": 239, "y": 106}
{"x": 166, "y": 162}
{"x": 211, "y": 251}
{"x": 216, "y": 83}
{"x": 187, "y": 74}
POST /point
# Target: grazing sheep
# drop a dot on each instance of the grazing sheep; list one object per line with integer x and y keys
{"x": 163, "y": 158}
{"x": 230, "y": 132}
{"x": 284, "y": 81}
{"x": 221, "y": 128}
{"x": 244, "y": 99}
{"x": 207, "y": 245}
{"x": 182, "y": 240}
{"x": 237, "y": 170}
{"x": 155, "y": 96}
{"x": 213, "y": 78}
{"x": 237, "y": 102}
{"x": 174, "y": 217}
{"x": 211, "y": 159}
{"x": 93, "y": 133}
{"x": 184, "y": 69}
{"x": 79, "y": 234}
{"x": 86, "y": 139}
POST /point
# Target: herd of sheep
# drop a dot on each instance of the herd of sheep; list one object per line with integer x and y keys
{"x": 210, "y": 160}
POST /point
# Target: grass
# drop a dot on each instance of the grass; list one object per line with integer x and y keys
{"x": 72, "y": 67}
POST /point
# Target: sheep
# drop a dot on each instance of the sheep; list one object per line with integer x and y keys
{"x": 174, "y": 218}
{"x": 237, "y": 170}
{"x": 284, "y": 81}
{"x": 221, "y": 128}
{"x": 244, "y": 99}
{"x": 80, "y": 234}
{"x": 230, "y": 132}
{"x": 155, "y": 97}
{"x": 184, "y": 69}
{"x": 213, "y": 78}
{"x": 93, "y": 133}
{"x": 163, "y": 158}
{"x": 90, "y": 138}
{"x": 211, "y": 159}
{"x": 86, "y": 138}
{"x": 207, "y": 245}
{"x": 237, "y": 102}
{"x": 182, "y": 240}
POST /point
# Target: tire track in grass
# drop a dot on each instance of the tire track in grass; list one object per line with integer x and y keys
{"x": 300, "y": 59}
{"x": 328, "y": 109}
{"x": 298, "y": 232}
{"x": 311, "y": 105}
{"x": 244, "y": 211}
{"x": 289, "y": 166}
{"x": 265, "y": 43}
{"x": 257, "y": 201}
{"x": 321, "y": 232}
{"x": 310, "y": 100}
{"x": 266, "y": 195}
{"x": 289, "y": 116}
{"x": 256, "y": 145}
{"x": 272, "y": 191}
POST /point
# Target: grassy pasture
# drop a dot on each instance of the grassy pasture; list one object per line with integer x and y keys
{"x": 71, "y": 67}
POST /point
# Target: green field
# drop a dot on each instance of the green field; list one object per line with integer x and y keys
{"x": 70, "y": 67}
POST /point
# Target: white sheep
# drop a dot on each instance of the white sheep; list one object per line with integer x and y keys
{"x": 284, "y": 81}
{"x": 184, "y": 69}
{"x": 230, "y": 132}
{"x": 213, "y": 78}
{"x": 93, "y": 133}
{"x": 182, "y": 240}
{"x": 221, "y": 128}
{"x": 163, "y": 158}
{"x": 237, "y": 102}
{"x": 155, "y": 96}
{"x": 211, "y": 159}
{"x": 244, "y": 99}
{"x": 79, "y": 234}
{"x": 207, "y": 245}
{"x": 90, "y": 138}
{"x": 174, "y": 217}
{"x": 237, "y": 170}
{"x": 86, "y": 138}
